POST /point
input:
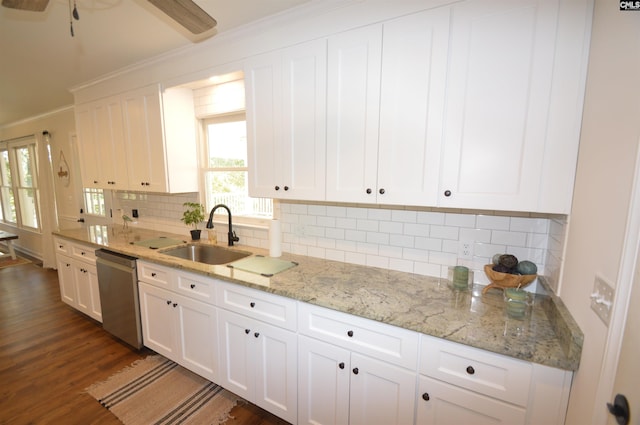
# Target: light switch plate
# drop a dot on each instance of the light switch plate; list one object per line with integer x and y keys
{"x": 602, "y": 299}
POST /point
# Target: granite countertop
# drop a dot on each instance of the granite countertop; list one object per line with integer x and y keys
{"x": 420, "y": 303}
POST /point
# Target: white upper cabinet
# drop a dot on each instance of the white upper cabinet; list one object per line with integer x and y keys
{"x": 385, "y": 103}
{"x": 100, "y": 126}
{"x": 142, "y": 140}
{"x": 160, "y": 131}
{"x": 286, "y": 103}
{"x": 504, "y": 78}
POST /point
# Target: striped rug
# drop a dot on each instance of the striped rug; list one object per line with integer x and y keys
{"x": 155, "y": 390}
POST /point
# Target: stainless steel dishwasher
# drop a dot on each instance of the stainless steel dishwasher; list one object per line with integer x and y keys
{"x": 118, "y": 283}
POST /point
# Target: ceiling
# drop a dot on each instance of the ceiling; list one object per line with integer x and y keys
{"x": 40, "y": 60}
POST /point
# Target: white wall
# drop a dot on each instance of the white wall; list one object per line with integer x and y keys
{"x": 60, "y": 125}
{"x": 608, "y": 147}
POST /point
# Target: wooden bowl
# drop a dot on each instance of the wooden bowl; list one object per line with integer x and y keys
{"x": 506, "y": 280}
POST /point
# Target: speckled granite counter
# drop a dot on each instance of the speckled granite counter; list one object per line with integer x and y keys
{"x": 420, "y": 303}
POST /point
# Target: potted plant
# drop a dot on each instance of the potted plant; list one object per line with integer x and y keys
{"x": 193, "y": 215}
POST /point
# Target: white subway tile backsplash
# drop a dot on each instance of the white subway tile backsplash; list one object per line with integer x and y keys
{"x": 421, "y": 241}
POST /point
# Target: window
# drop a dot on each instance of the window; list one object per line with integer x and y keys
{"x": 19, "y": 193}
{"x": 226, "y": 172}
{"x": 94, "y": 202}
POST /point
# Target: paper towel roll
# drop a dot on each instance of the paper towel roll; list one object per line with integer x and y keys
{"x": 275, "y": 239}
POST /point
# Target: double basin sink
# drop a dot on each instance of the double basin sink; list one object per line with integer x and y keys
{"x": 206, "y": 254}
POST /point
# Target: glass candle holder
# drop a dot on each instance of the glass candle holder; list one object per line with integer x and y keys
{"x": 461, "y": 278}
{"x": 518, "y": 303}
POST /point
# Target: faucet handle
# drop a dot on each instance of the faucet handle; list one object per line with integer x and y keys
{"x": 234, "y": 237}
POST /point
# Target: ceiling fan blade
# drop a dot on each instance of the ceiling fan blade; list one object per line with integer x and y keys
{"x": 30, "y": 5}
{"x": 186, "y": 13}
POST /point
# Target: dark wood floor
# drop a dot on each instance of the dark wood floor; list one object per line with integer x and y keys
{"x": 49, "y": 354}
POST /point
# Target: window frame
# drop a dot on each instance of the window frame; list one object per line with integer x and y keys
{"x": 15, "y": 187}
{"x": 204, "y": 122}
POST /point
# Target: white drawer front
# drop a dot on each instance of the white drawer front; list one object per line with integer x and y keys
{"x": 441, "y": 403}
{"x": 154, "y": 274}
{"x": 273, "y": 309}
{"x": 384, "y": 342}
{"x": 84, "y": 252}
{"x": 196, "y": 286}
{"x": 488, "y": 373}
{"x": 62, "y": 246}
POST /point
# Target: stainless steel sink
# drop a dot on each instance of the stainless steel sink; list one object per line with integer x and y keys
{"x": 207, "y": 254}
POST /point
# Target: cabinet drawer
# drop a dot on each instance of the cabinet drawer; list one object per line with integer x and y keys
{"x": 384, "y": 342}
{"x": 196, "y": 286}
{"x": 83, "y": 252}
{"x": 62, "y": 246}
{"x": 488, "y": 373}
{"x": 154, "y": 274}
{"x": 278, "y": 311}
{"x": 441, "y": 403}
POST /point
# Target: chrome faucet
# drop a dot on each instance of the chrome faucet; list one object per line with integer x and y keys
{"x": 231, "y": 235}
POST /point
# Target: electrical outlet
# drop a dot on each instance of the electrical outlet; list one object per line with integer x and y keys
{"x": 602, "y": 299}
{"x": 134, "y": 213}
{"x": 465, "y": 250}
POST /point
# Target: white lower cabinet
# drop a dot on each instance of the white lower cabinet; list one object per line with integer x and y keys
{"x": 354, "y": 370}
{"x": 461, "y": 384}
{"x": 258, "y": 361}
{"x": 337, "y": 386}
{"x": 179, "y": 328}
{"x": 78, "y": 278}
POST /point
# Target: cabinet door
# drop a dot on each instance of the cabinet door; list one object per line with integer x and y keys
{"x": 145, "y": 140}
{"x": 304, "y": 85}
{"x": 198, "y": 333}
{"x": 158, "y": 317}
{"x": 275, "y": 357}
{"x": 87, "y": 146}
{"x": 82, "y": 278}
{"x": 440, "y": 403}
{"x": 414, "y": 66}
{"x": 353, "y": 105}
{"x": 498, "y": 88}
{"x": 263, "y": 87}
{"x": 110, "y": 145}
{"x": 381, "y": 393}
{"x": 236, "y": 362}
{"x": 67, "y": 280}
{"x": 286, "y": 102}
{"x": 323, "y": 383}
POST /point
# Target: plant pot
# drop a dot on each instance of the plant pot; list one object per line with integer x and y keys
{"x": 195, "y": 235}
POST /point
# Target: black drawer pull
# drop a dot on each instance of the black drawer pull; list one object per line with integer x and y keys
{"x": 470, "y": 370}
{"x": 257, "y": 334}
{"x": 247, "y": 331}
{"x": 168, "y": 302}
{"x": 252, "y": 304}
{"x": 349, "y": 334}
{"x": 192, "y": 286}
{"x": 341, "y": 365}
{"x": 355, "y": 371}
{"x": 153, "y": 275}
{"x": 425, "y": 396}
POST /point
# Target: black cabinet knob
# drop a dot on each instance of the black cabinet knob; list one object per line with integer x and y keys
{"x": 257, "y": 334}
{"x": 369, "y": 191}
{"x": 355, "y": 371}
{"x": 277, "y": 188}
{"x": 286, "y": 188}
{"x": 341, "y": 365}
{"x": 192, "y": 286}
{"x": 447, "y": 193}
{"x": 247, "y": 331}
{"x": 175, "y": 305}
{"x": 252, "y": 304}
{"x": 153, "y": 275}
{"x": 349, "y": 334}
{"x": 169, "y": 302}
{"x": 470, "y": 370}
{"x": 425, "y": 396}
{"x": 381, "y": 191}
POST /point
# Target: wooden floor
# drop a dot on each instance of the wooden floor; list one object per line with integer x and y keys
{"x": 49, "y": 354}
